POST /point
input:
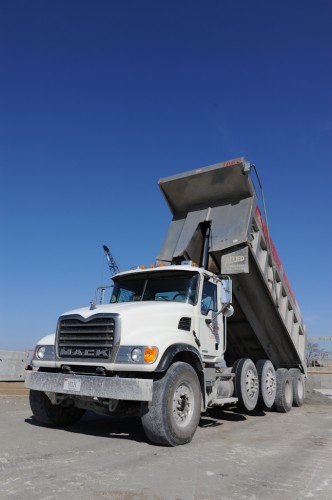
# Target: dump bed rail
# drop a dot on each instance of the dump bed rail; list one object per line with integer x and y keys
{"x": 267, "y": 320}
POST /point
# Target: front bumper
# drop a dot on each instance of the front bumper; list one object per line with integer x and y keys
{"x": 132, "y": 389}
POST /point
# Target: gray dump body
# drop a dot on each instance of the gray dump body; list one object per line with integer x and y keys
{"x": 267, "y": 322}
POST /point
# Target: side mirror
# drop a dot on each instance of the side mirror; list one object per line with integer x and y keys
{"x": 226, "y": 291}
{"x": 226, "y": 298}
{"x": 228, "y": 311}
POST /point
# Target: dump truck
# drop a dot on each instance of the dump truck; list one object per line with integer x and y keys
{"x": 213, "y": 322}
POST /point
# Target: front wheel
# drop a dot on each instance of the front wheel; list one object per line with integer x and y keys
{"x": 172, "y": 417}
{"x": 52, "y": 415}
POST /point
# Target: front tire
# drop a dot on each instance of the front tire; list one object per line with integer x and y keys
{"x": 172, "y": 417}
{"x": 52, "y": 415}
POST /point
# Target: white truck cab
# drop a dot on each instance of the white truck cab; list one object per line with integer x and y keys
{"x": 151, "y": 310}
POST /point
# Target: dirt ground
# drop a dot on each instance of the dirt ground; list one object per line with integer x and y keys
{"x": 233, "y": 456}
{"x": 13, "y": 389}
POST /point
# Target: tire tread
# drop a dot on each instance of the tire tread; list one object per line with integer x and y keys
{"x": 283, "y": 380}
{"x": 51, "y": 415}
{"x": 157, "y": 419}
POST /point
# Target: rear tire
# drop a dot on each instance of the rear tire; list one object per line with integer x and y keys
{"x": 246, "y": 383}
{"x": 267, "y": 384}
{"x": 298, "y": 386}
{"x": 284, "y": 395}
{"x": 172, "y": 417}
{"x": 52, "y": 415}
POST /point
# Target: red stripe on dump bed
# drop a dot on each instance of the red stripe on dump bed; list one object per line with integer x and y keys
{"x": 232, "y": 162}
{"x": 275, "y": 255}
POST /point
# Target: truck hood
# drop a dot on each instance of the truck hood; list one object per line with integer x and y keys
{"x": 134, "y": 308}
{"x": 143, "y": 322}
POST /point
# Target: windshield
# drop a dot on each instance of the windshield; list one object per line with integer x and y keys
{"x": 175, "y": 286}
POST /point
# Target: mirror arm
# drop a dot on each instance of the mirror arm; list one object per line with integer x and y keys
{"x": 222, "y": 310}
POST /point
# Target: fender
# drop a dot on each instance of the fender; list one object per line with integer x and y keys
{"x": 185, "y": 351}
{"x": 175, "y": 349}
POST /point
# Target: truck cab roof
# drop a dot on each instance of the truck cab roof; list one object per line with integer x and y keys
{"x": 164, "y": 269}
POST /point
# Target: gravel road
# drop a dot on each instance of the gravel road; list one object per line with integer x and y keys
{"x": 232, "y": 456}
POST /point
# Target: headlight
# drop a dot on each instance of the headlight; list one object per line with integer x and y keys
{"x": 137, "y": 354}
{"x": 44, "y": 352}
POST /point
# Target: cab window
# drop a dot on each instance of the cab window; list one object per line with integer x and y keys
{"x": 209, "y": 298}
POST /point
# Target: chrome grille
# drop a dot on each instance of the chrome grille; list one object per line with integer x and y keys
{"x": 86, "y": 339}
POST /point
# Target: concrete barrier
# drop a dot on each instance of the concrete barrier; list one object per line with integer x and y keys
{"x": 12, "y": 365}
{"x": 319, "y": 380}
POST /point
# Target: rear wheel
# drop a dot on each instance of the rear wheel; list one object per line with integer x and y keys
{"x": 246, "y": 383}
{"x": 298, "y": 386}
{"x": 284, "y": 395}
{"x": 267, "y": 384}
{"x": 173, "y": 415}
{"x": 53, "y": 415}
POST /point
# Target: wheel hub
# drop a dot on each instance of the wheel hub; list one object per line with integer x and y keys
{"x": 182, "y": 404}
{"x": 251, "y": 384}
{"x": 270, "y": 383}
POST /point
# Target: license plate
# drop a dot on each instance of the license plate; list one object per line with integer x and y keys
{"x": 72, "y": 384}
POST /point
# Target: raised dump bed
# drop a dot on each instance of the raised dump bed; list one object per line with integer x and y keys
{"x": 267, "y": 322}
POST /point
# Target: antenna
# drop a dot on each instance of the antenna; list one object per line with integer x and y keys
{"x": 113, "y": 267}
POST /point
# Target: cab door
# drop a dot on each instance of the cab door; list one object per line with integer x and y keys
{"x": 211, "y": 325}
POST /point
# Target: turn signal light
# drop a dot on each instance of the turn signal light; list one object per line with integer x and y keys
{"x": 150, "y": 354}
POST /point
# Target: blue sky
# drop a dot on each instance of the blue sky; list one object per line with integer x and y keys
{"x": 99, "y": 99}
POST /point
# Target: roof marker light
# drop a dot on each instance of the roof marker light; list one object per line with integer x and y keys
{"x": 188, "y": 263}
